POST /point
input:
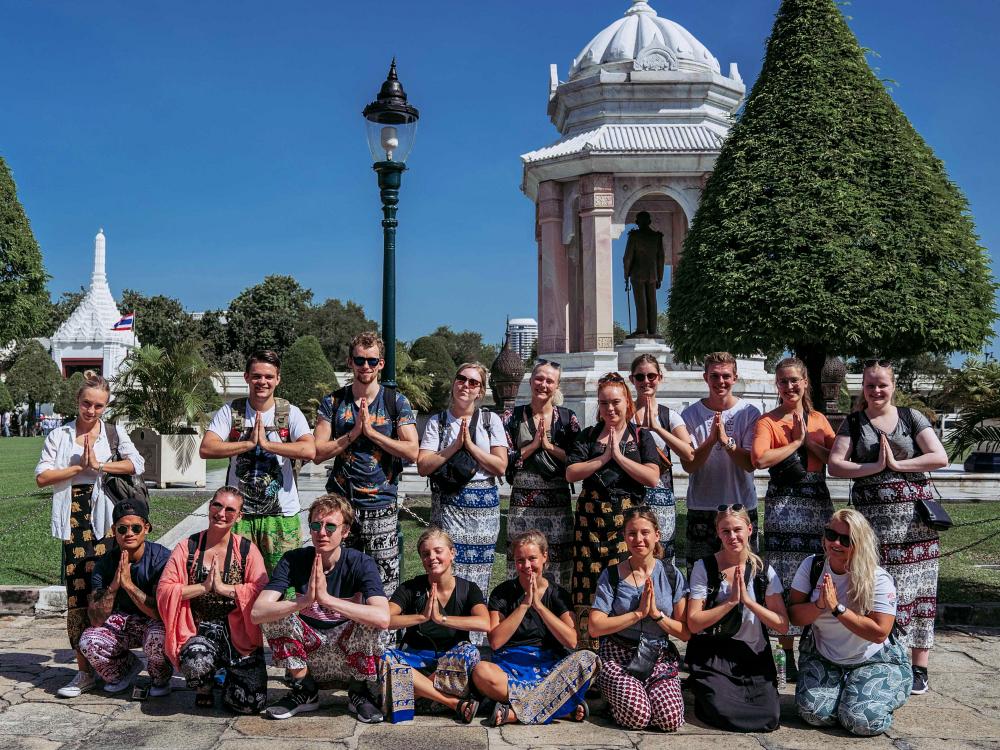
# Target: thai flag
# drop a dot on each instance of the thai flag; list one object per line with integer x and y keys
{"x": 125, "y": 324}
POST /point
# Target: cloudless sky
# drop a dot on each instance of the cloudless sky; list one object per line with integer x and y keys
{"x": 220, "y": 142}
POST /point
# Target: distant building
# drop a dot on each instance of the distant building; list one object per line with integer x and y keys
{"x": 522, "y": 333}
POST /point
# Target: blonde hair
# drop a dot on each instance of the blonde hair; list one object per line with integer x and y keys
{"x": 720, "y": 358}
{"x": 531, "y": 536}
{"x": 862, "y": 566}
{"x": 435, "y": 532}
{"x": 756, "y": 563}
{"x": 646, "y": 514}
{"x": 483, "y": 377}
{"x": 331, "y": 503}
{"x": 557, "y": 396}
{"x": 93, "y": 379}
{"x": 794, "y": 363}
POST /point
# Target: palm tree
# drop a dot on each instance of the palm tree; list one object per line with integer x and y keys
{"x": 974, "y": 392}
{"x": 163, "y": 390}
{"x": 412, "y": 381}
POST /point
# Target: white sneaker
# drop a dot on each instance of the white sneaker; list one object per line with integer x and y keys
{"x": 134, "y": 668}
{"x": 82, "y": 682}
{"x": 158, "y": 691}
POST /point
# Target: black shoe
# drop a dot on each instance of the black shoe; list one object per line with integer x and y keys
{"x": 304, "y": 697}
{"x": 791, "y": 670}
{"x": 920, "y": 681}
{"x": 360, "y": 704}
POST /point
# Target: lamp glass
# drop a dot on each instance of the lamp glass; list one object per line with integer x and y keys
{"x": 390, "y": 141}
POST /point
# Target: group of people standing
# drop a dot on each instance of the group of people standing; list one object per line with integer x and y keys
{"x": 594, "y": 590}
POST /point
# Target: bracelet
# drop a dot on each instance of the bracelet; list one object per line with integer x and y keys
{"x": 657, "y": 619}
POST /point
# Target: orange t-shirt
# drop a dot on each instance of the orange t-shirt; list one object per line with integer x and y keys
{"x": 774, "y": 430}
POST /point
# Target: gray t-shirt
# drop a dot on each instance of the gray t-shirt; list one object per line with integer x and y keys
{"x": 903, "y": 444}
{"x": 750, "y": 631}
{"x": 720, "y": 481}
{"x": 625, "y": 598}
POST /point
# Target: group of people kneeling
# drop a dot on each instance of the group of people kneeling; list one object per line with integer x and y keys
{"x": 205, "y": 610}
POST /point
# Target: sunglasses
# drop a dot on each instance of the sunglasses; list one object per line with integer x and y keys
{"x": 315, "y": 526}
{"x": 832, "y": 536}
{"x": 370, "y": 361}
{"x": 124, "y": 528}
{"x": 216, "y": 506}
{"x": 641, "y": 377}
{"x": 611, "y": 377}
{"x": 472, "y": 382}
{"x": 880, "y": 362}
{"x": 735, "y": 508}
{"x": 551, "y": 362}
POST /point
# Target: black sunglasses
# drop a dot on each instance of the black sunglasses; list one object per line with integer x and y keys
{"x": 611, "y": 377}
{"x": 551, "y": 362}
{"x": 316, "y": 526}
{"x": 832, "y": 536}
{"x": 640, "y": 377}
{"x": 880, "y": 362}
{"x": 735, "y": 508}
{"x": 371, "y": 361}
{"x": 472, "y": 382}
{"x": 123, "y": 528}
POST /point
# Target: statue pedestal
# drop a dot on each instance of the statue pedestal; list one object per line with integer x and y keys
{"x": 631, "y": 348}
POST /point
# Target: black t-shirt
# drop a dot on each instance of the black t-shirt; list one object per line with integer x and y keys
{"x": 411, "y": 596}
{"x": 612, "y": 476}
{"x": 354, "y": 573}
{"x": 145, "y": 574}
{"x": 532, "y": 631}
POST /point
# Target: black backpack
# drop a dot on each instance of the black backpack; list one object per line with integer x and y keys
{"x": 730, "y": 624}
{"x": 121, "y": 487}
{"x": 452, "y": 476}
{"x": 395, "y": 463}
{"x": 905, "y": 418}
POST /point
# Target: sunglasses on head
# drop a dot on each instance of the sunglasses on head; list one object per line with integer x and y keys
{"x": 550, "y": 362}
{"x": 640, "y": 377}
{"x": 611, "y": 377}
{"x": 315, "y": 526}
{"x": 832, "y": 536}
{"x": 471, "y": 382}
{"x": 880, "y": 362}
{"x": 217, "y": 506}
{"x": 124, "y": 528}
{"x": 370, "y": 361}
{"x": 735, "y": 508}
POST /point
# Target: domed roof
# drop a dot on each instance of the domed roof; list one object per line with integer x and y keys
{"x": 647, "y": 41}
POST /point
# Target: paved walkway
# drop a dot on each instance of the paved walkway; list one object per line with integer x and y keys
{"x": 962, "y": 708}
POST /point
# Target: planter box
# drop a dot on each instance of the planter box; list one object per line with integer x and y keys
{"x": 170, "y": 459}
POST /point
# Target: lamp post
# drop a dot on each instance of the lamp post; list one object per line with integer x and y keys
{"x": 391, "y": 125}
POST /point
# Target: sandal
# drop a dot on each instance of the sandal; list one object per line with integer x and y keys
{"x": 575, "y": 716}
{"x": 204, "y": 700}
{"x": 501, "y": 712}
{"x": 467, "y": 709}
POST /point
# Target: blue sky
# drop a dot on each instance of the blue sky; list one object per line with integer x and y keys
{"x": 220, "y": 142}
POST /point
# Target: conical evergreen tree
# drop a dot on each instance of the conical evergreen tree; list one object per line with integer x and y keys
{"x": 23, "y": 298}
{"x": 828, "y": 226}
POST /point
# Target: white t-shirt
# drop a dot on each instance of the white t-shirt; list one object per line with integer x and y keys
{"x": 272, "y": 474}
{"x": 484, "y": 438}
{"x": 750, "y": 631}
{"x": 833, "y": 640}
{"x": 673, "y": 422}
{"x": 720, "y": 481}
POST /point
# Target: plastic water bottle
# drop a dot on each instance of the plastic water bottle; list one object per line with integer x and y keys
{"x": 779, "y": 665}
{"x": 220, "y": 676}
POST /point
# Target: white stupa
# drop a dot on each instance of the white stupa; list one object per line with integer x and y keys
{"x": 86, "y": 340}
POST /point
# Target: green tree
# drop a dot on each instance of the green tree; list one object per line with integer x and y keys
{"x": 34, "y": 378}
{"x": 306, "y": 375}
{"x": 160, "y": 321}
{"x": 412, "y": 381}
{"x": 164, "y": 391}
{"x": 266, "y": 316}
{"x": 466, "y": 346}
{"x": 619, "y": 332}
{"x": 828, "y": 226}
{"x": 6, "y": 401}
{"x": 438, "y": 365}
{"x": 66, "y": 403}
{"x": 212, "y": 332}
{"x": 974, "y": 392}
{"x": 23, "y": 298}
{"x": 59, "y": 311}
{"x": 335, "y": 323}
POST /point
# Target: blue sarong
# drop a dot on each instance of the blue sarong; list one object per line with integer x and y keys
{"x": 449, "y": 671}
{"x": 543, "y": 687}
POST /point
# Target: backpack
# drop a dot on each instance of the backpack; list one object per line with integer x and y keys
{"x": 730, "y": 624}
{"x": 121, "y": 487}
{"x": 452, "y": 476}
{"x": 282, "y": 408}
{"x": 389, "y": 393}
{"x": 816, "y": 570}
{"x": 905, "y": 418}
{"x": 547, "y": 468}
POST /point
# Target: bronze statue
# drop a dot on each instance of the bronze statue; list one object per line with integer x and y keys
{"x": 644, "y": 263}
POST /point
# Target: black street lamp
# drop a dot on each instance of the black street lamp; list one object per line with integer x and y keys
{"x": 391, "y": 126}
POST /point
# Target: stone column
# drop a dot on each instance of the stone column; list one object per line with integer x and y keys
{"x": 553, "y": 272}
{"x": 597, "y": 202}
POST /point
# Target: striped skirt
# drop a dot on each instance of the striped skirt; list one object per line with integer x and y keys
{"x": 794, "y": 518}
{"x": 546, "y": 505}
{"x": 910, "y": 549}
{"x": 472, "y": 518}
{"x": 661, "y": 500}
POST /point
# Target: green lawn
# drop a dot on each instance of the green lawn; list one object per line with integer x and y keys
{"x": 28, "y": 553}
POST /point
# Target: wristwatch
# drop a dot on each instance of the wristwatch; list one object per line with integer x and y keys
{"x": 444, "y": 618}
{"x": 838, "y": 610}
{"x": 100, "y": 466}
{"x": 731, "y": 444}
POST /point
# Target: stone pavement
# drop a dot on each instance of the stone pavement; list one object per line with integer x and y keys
{"x": 962, "y": 710}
